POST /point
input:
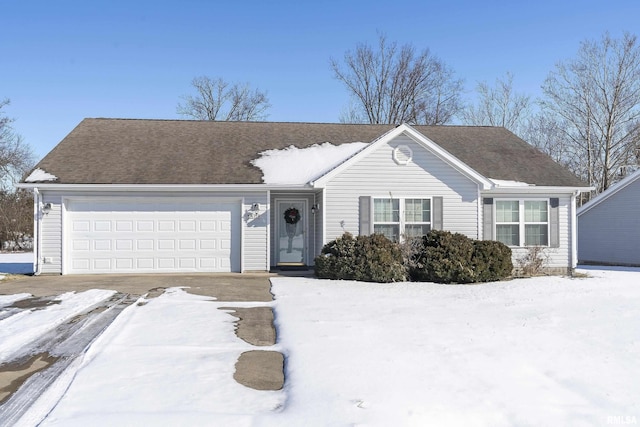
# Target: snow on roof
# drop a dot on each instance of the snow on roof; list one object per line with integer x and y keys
{"x": 506, "y": 183}
{"x": 39, "y": 175}
{"x": 294, "y": 165}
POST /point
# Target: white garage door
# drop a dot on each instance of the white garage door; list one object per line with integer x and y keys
{"x": 156, "y": 236}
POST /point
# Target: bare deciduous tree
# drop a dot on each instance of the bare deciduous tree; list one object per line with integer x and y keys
{"x": 597, "y": 98}
{"x": 16, "y": 157}
{"x": 498, "y": 106}
{"x": 16, "y": 219}
{"x": 16, "y": 207}
{"x": 393, "y": 85}
{"x": 219, "y": 100}
{"x": 546, "y": 132}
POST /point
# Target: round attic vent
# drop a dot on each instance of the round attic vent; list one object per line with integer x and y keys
{"x": 402, "y": 154}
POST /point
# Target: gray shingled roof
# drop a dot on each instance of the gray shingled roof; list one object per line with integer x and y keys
{"x": 126, "y": 151}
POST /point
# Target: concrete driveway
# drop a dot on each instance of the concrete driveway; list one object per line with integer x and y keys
{"x": 224, "y": 287}
{"x": 258, "y": 369}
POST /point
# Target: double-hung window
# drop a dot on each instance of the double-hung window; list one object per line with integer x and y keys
{"x": 396, "y": 218}
{"x": 522, "y": 222}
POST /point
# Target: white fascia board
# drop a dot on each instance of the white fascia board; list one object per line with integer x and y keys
{"x": 620, "y": 185}
{"x": 419, "y": 138}
{"x": 534, "y": 189}
{"x": 161, "y": 187}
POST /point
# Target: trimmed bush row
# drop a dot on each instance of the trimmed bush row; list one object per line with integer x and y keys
{"x": 440, "y": 256}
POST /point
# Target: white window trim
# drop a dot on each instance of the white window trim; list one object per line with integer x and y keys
{"x": 521, "y": 222}
{"x": 401, "y": 212}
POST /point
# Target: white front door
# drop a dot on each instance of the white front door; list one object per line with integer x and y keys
{"x": 291, "y": 231}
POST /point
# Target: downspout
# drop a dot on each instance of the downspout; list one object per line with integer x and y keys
{"x": 574, "y": 232}
{"x": 268, "y": 230}
{"x": 37, "y": 228}
{"x": 478, "y": 216}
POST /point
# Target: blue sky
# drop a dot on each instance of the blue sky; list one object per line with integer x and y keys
{"x": 64, "y": 60}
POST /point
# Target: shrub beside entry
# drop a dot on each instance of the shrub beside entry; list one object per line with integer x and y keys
{"x": 372, "y": 258}
{"x": 440, "y": 256}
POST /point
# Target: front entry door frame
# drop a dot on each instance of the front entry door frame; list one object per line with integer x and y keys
{"x": 291, "y": 240}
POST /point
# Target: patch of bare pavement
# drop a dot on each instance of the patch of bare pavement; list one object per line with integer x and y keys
{"x": 27, "y": 375}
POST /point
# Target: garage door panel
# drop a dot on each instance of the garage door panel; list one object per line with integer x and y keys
{"x": 124, "y": 226}
{"x": 188, "y": 226}
{"x": 102, "y": 245}
{"x": 206, "y": 244}
{"x": 146, "y": 237}
{"x": 168, "y": 245}
{"x": 166, "y": 226}
{"x": 79, "y": 225}
{"x": 102, "y": 263}
{"x": 81, "y": 264}
{"x": 144, "y": 226}
{"x": 189, "y": 244}
{"x": 99, "y": 225}
{"x": 145, "y": 244}
{"x": 144, "y": 263}
{"x": 124, "y": 245}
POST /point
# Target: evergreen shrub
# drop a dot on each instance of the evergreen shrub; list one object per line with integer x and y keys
{"x": 445, "y": 257}
{"x": 372, "y": 258}
{"x": 491, "y": 260}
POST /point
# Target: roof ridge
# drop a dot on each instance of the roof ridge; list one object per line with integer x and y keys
{"x": 138, "y": 119}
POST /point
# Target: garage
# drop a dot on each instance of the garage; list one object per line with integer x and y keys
{"x": 117, "y": 235}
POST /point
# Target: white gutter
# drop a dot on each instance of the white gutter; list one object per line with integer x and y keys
{"x": 534, "y": 189}
{"x": 37, "y": 228}
{"x": 163, "y": 187}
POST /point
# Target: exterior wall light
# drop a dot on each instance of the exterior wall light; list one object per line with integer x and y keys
{"x": 253, "y": 212}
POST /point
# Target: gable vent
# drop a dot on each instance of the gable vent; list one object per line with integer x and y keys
{"x": 402, "y": 154}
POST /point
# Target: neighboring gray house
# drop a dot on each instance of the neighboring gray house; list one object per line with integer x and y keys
{"x": 148, "y": 196}
{"x": 609, "y": 225}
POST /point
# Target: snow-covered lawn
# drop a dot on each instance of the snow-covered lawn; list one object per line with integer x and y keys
{"x": 16, "y": 263}
{"x": 529, "y": 352}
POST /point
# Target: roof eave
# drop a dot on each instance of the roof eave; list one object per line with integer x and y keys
{"x": 535, "y": 189}
{"x": 163, "y": 187}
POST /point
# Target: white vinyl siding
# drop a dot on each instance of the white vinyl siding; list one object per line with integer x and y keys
{"x": 51, "y": 259}
{"x": 379, "y": 176}
{"x": 254, "y": 234}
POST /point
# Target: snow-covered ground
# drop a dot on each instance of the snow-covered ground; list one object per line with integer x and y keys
{"x": 543, "y": 351}
{"x": 15, "y": 263}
